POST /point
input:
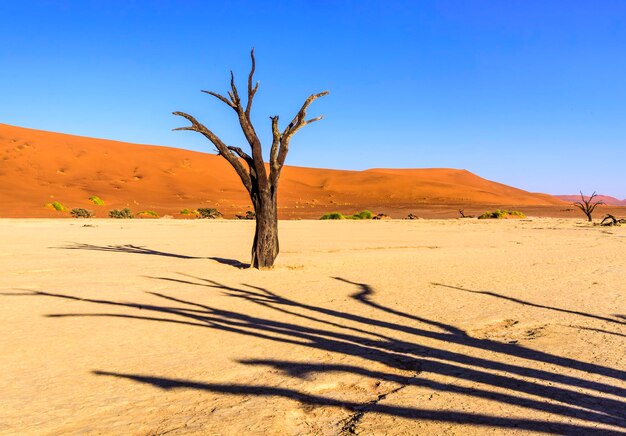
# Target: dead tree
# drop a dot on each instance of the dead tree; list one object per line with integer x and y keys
{"x": 610, "y": 220}
{"x": 587, "y": 206}
{"x": 261, "y": 186}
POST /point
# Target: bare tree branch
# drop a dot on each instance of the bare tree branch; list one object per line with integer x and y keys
{"x": 312, "y": 120}
{"x": 221, "y": 97}
{"x": 299, "y": 121}
{"x": 251, "y": 90}
{"x": 275, "y": 144}
{"x": 243, "y": 155}
{"x": 235, "y": 94}
{"x": 222, "y": 148}
{"x": 246, "y": 124}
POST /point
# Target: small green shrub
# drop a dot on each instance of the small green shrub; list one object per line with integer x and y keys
{"x": 333, "y": 216}
{"x": 363, "y": 215}
{"x": 96, "y": 200}
{"x": 148, "y": 213}
{"x": 498, "y": 214}
{"x": 79, "y": 212}
{"x": 188, "y": 212}
{"x": 248, "y": 216}
{"x": 209, "y": 213}
{"x": 57, "y": 206}
{"x": 125, "y": 213}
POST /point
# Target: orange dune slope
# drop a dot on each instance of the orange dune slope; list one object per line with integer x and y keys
{"x": 37, "y": 168}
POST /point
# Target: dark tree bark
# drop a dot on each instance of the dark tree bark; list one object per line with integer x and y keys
{"x": 587, "y": 205}
{"x": 261, "y": 186}
{"x": 610, "y": 220}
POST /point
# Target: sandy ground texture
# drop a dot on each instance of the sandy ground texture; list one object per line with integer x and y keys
{"x": 459, "y": 327}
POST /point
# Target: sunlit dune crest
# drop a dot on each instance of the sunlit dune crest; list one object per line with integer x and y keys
{"x": 37, "y": 167}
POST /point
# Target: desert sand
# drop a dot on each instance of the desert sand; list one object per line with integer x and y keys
{"x": 391, "y": 327}
{"x": 38, "y": 167}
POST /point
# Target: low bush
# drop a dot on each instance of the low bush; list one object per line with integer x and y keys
{"x": 79, "y": 212}
{"x": 57, "y": 206}
{"x": 188, "y": 212}
{"x": 333, "y": 216}
{"x": 125, "y": 213}
{"x": 209, "y": 213}
{"x": 96, "y": 200}
{"x": 498, "y": 214}
{"x": 148, "y": 213}
{"x": 363, "y": 215}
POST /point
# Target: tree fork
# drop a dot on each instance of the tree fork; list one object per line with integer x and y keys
{"x": 261, "y": 186}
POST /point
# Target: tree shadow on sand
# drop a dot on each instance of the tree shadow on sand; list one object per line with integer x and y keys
{"x": 541, "y": 306}
{"x": 499, "y": 377}
{"x": 138, "y": 249}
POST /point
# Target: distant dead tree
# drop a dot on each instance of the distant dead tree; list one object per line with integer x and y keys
{"x": 610, "y": 220}
{"x": 261, "y": 186}
{"x": 587, "y": 205}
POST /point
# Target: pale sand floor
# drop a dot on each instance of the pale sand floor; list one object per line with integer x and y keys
{"x": 400, "y": 327}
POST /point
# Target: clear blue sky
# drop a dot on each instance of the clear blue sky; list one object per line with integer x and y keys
{"x": 527, "y": 93}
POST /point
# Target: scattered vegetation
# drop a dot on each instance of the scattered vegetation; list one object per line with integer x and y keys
{"x": 207, "y": 212}
{"x": 498, "y": 214}
{"x": 363, "y": 215}
{"x": 79, "y": 212}
{"x": 587, "y": 205}
{"x": 96, "y": 200}
{"x": 412, "y": 217}
{"x": 188, "y": 212}
{"x": 125, "y": 213}
{"x": 57, "y": 206}
{"x": 248, "y": 216}
{"x": 333, "y": 216}
{"x": 148, "y": 213}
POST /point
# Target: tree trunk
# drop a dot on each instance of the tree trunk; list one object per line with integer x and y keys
{"x": 265, "y": 245}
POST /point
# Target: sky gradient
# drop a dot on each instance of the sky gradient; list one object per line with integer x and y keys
{"x": 527, "y": 93}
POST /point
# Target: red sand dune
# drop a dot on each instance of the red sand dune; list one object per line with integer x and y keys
{"x": 611, "y": 201}
{"x": 38, "y": 167}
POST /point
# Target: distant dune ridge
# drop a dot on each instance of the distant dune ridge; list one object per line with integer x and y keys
{"x": 38, "y": 167}
{"x": 611, "y": 201}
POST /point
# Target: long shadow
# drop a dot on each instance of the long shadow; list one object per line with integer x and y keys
{"x": 138, "y": 249}
{"x": 365, "y": 294}
{"x": 591, "y": 329}
{"x": 528, "y": 303}
{"x": 398, "y": 411}
{"x": 495, "y": 378}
